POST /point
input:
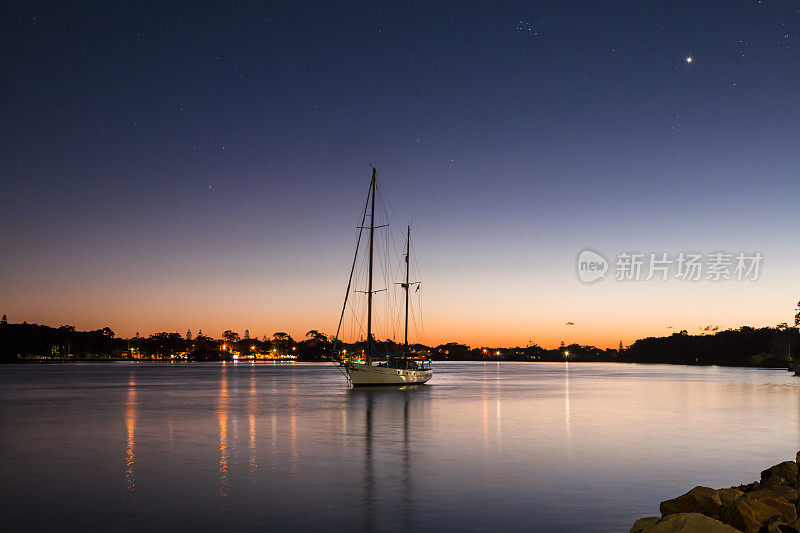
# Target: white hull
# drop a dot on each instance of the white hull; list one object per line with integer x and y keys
{"x": 361, "y": 374}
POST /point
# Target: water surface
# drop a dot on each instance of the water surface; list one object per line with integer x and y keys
{"x": 520, "y": 446}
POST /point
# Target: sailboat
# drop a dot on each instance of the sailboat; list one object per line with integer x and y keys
{"x": 404, "y": 368}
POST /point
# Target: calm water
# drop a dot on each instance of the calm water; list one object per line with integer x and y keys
{"x": 271, "y": 447}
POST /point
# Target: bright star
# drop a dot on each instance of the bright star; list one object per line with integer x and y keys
{"x": 689, "y": 59}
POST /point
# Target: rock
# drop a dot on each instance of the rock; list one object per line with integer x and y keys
{"x": 786, "y": 471}
{"x": 776, "y": 525}
{"x": 698, "y": 500}
{"x": 781, "y": 491}
{"x": 749, "y": 487}
{"x": 749, "y": 514}
{"x": 728, "y": 495}
{"x": 643, "y": 523}
{"x": 794, "y": 527}
{"x": 775, "y": 482}
{"x": 766, "y": 506}
{"x": 687, "y": 523}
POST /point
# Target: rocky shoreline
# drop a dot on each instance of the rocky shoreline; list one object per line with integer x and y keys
{"x": 771, "y": 505}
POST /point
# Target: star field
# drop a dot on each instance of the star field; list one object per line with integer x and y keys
{"x": 206, "y": 161}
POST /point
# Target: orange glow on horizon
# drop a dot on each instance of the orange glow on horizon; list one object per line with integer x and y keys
{"x": 502, "y": 315}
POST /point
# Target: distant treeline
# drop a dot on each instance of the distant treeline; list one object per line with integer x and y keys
{"x": 746, "y": 346}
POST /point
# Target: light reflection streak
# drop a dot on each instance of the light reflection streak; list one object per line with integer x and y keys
{"x": 293, "y": 427}
{"x": 406, "y": 476}
{"x": 499, "y": 415}
{"x": 252, "y": 444}
{"x": 485, "y": 412}
{"x": 344, "y": 429}
{"x": 274, "y": 446}
{"x": 222, "y": 463}
{"x": 369, "y": 476}
{"x": 130, "y": 447}
{"x": 567, "y": 418}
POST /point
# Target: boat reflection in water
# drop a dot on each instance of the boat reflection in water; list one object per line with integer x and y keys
{"x": 387, "y": 449}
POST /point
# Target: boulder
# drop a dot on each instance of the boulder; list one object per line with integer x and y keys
{"x": 750, "y": 514}
{"x": 789, "y": 494}
{"x": 776, "y": 525}
{"x": 643, "y": 523}
{"x": 775, "y": 481}
{"x": 749, "y": 487}
{"x": 698, "y": 500}
{"x": 728, "y": 495}
{"x": 782, "y": 473}
{"x": 687, "y": 523}
{"x": 794, "y": 527}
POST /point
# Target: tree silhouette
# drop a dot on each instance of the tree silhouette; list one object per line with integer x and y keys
{"x": 4, "y": 320}
{"x": 282, "y": 340}
{"x": 315, "y": 336}
{"x": 796, "y": 317}
{"x": 230, "y": 336}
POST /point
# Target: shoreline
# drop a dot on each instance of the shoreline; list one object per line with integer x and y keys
{"x": 46, "y": 361}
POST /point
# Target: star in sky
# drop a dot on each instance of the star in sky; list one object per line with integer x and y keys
{"x": 689, "y": 59}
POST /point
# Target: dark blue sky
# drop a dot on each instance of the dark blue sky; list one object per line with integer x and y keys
{"x": 201, "y": 165}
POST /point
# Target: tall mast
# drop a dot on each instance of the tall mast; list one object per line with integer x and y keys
{"x": 369, "y": 288}
{"x": 408, "y": 254}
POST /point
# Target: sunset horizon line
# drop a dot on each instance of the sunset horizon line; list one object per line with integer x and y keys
{"x": 299, "y": 334}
